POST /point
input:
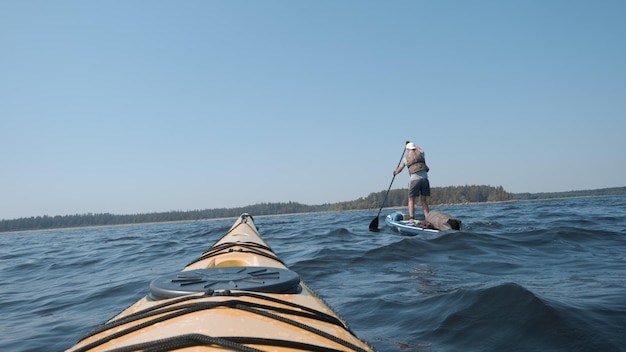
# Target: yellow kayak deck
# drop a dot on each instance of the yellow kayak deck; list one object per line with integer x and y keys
{"x": 237, "y": 296}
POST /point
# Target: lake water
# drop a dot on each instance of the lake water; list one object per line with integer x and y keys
{"x": 544, "y": 275}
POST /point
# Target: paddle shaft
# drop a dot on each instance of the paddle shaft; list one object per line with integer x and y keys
{"x": 388, "y": 189}
{"x": 374, "y": 223}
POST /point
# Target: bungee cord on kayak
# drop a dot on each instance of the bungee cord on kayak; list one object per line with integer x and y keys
{"x": 174, "y": 309}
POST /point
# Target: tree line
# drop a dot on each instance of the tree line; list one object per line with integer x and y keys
{"x": 438, "y": 196}
{"x": 107, "y": 219}
{"x": 613, "y": 191}
{"x": 376, "y": 200}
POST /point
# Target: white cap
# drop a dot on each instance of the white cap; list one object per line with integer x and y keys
{"x": 410, "y": 145}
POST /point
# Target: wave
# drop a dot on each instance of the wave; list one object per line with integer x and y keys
{"x": 503, "y": 317}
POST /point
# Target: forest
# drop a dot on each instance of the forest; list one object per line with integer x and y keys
{"x": 393, "y": 198}
{"x": 438, "y": 196}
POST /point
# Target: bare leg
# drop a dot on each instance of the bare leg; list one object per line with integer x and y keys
{"x": 424, "y": 205}
{"x": 412, "y": 207}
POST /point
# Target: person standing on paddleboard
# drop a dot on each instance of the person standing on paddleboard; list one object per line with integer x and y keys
{"x": 419, "y": 186}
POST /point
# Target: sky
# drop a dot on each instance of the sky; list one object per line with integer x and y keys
{"x": 141, "y": 106}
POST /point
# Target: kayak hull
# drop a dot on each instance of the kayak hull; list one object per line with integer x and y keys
{"x": 237, "y": 295}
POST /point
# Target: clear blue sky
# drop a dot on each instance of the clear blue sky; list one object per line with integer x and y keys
{"x": 145, "y": 106}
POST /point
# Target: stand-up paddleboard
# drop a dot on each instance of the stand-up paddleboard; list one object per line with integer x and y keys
{"x": 399, "y": 222}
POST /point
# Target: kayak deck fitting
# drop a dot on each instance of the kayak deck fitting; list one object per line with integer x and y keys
{"x": 237, "y": 296}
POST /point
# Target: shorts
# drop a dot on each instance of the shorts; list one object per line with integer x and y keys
{"x": 419, "y": 187}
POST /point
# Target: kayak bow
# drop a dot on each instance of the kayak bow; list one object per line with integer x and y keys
{"x": 238, "y": 296}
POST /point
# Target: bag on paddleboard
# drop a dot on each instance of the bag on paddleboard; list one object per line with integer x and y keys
{"x": 443, "y": 221}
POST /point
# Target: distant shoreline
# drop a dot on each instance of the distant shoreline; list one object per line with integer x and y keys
{"x": 171, "y": 222}
{"x": 294, "y": 214}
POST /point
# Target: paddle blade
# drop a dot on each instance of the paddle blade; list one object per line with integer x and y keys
{"x": 374, "y": 225}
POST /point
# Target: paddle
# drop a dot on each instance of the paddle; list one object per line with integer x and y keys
{"x": 374, "y": 223}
